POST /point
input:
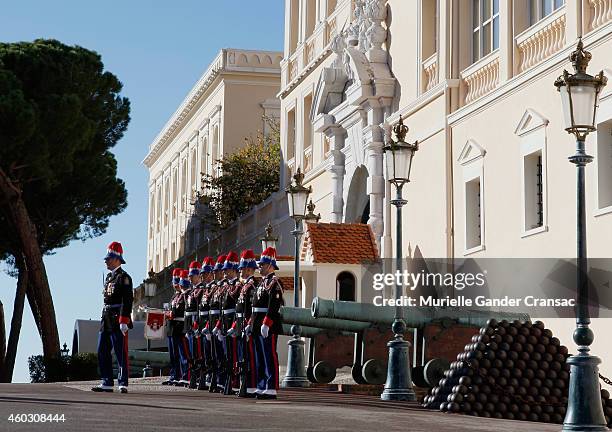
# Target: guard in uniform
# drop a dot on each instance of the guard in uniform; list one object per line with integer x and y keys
{"x": 266, "y": 325}
{"x": 192, "y": 298}
{"x": 228, "y": 317}
{"x": 173, "y": 339}
{"x": 178, "y": 315}
{"x": 244, "y": 306}
{"x": 217, "y": 346}
{"x": 116, "y": 321}
{"x": 208, "y": 280}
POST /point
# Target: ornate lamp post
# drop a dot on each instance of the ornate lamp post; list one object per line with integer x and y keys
{"x": 311, "y": 216}
{"x": 398, "y": 159}
{"x": 269, "y": 240}
{"x": 64, "y": 351}
{"x": 297, "y": 195}
{"x": 579, "y": 97}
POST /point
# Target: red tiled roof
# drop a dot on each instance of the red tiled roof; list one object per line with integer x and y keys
{"x": 339, "y": 243}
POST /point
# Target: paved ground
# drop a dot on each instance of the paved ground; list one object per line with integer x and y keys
{"x": 151, "y": 407}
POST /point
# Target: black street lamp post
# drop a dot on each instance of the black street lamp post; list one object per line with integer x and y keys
{"x": 399, "y": 156}
{"x": 579, "y": 98}
{"x": 297, "y": 195}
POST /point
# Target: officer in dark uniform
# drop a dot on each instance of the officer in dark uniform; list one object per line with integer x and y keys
{"x": 178, "y": 315}
{"x": 266, "y": 325}
{"x": 116, "y": 321}
{"x": 192, "y": 298}
{"x": 218, "y": 351}
{"x": 208, "y": 279}
{"x": 228, "y": 316}
{"x": 244, "y": 306}
{"x": 172, "y": 335}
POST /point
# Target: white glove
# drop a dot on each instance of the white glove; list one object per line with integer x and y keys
{"x": 124, "y": 328}
{"x": 231, "y": 332}
{"x": 220, "y": 337}
{"x": 215, "y": 331}
{"x": 265, "y": 330}
{"x": 208, "y": 337}
{"x": 248, "y": 330}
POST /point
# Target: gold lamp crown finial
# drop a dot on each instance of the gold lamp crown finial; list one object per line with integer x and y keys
{"x": 400, "y": 130}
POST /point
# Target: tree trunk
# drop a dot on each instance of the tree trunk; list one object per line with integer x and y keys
{"x": 34, "y": 308}
{"x": 13, "y": 341}
{"x": 2, "y": 343}
{"x": 37, "y": 275}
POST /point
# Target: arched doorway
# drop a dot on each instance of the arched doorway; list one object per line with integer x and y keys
{"x": 358, "y": 200}
{"x": 345, "y": 286}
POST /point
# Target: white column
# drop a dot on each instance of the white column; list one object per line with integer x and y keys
{"x": 373, "y": 137}
{"x": 337, "y": 171}
{"x": 287, "y": 28}
{"x": 506, "y": 41}
{"x": 302, "y": 21}
{"x": 573, "y": 19}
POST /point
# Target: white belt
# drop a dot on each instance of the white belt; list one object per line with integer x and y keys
{"x": 229, "y": 311}
{"x": 188, "y": 314}
{"x": 263, "y": 310}
{"x": 202, "y": 313}
{"x": 239, "y": 314}
{"x": 215, "y": 312}
{"x": 178, "y": 319}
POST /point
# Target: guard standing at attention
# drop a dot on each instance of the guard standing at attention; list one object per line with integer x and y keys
{"x": 172, "y": 334}
{"x": 214, "y": 327}
{"x": 178, "y": 314}
{"x": 244, "y": 305}
{"x": 116, "y": 321}
{"x": 192, "y": 298}
{"x": 266, "y": 325}
{"x": 228, "y": 316}
{"x": 208, "y": 280}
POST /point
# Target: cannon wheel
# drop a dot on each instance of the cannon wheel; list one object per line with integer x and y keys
{"x": 434, "y": 370}
{"x": 418, "y": 376}
{"x": 374, "y": 372}
{"x": 356, "y": 373}
{"x": 310, "y": 374}
{"x": 323, "y": 372}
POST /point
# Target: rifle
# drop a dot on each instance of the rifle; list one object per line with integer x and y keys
{"x": 243, "y": 365}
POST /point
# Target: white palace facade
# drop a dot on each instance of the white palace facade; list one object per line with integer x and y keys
{"x": 226, "y": 105}
{"x": 473, "y": 80}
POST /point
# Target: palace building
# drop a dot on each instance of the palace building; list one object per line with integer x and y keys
{"x": 227, "y": 104}
{"x": 473, "y": 81}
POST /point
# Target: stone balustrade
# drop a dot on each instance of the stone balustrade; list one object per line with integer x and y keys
{"x": 480, "y": 78}
{"x": 541, "y": 40}
{"x": 430, "y": 72}
{"x": 601, "y": 12}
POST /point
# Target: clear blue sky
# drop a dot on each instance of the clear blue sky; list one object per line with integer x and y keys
{"x": 158, "y": 49}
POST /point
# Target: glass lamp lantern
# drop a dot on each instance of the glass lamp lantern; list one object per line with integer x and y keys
{"x": 297, "y": 196}
{"x": 580, "y": 94}
{"x": 398, "y": 156}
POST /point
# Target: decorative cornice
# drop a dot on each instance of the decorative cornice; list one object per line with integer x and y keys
{"x": 228, "y": 60}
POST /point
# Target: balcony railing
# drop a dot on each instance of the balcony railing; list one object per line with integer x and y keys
{"x": 331, "y": 29}
{"x": 541, "y": 40}
{"x": 601, "y": 12}
{"x": 480, "y": 78}
{"x": 308, "y": 158}
{"x": 430, "y": 72}
{"x": 309, "y": 51}
{"x": 293, "y": 69}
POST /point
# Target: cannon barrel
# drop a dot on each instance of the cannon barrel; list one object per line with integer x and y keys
{"x": 302, "y": 317}
{"x": 414, "y": 316}
{"x": 309, "y": 332}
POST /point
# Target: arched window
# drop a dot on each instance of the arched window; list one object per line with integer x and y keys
{"x": 345, "y": 286}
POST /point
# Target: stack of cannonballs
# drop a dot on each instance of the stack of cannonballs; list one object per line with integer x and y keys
{"x": 513, "y": 370}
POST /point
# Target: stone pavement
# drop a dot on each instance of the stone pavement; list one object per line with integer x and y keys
{"x": 152, "y": 407}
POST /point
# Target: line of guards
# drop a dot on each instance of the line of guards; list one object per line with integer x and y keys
{"x": 223, "y": 326}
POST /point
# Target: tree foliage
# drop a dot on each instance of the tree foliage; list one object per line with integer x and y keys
{"x": 60, "y": 114}
{"x": 246, "y": 178}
